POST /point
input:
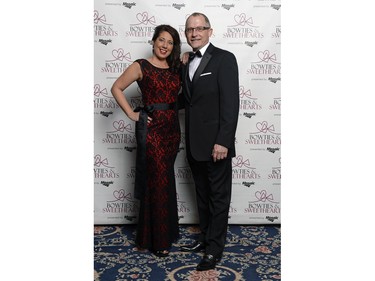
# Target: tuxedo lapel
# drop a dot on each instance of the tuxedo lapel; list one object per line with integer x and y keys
{"x": 187, "y": 82}
{"x": 205, "y": 59}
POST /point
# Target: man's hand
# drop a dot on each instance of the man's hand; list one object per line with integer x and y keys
{"x": 219, "y": 152}
{"x": 185, "y": 57}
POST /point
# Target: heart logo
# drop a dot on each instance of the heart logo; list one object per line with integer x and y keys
{"x": 265, "y": 56}
{"x": 98, "y": 91}
{"x": 238, "y": 162}
{"x": 262, "y": 196}
{"x": 117, "y": 54}
{"x": 241, "y": 19}
{"x": 143, "y": 18}
{"x": 99, "y": 162}
{"x": 119, "y": 194}
{"x": 263, "y": 127}
{"x": 120, "y": 126}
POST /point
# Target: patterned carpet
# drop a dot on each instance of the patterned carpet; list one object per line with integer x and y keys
{"x": 252, "y": 253}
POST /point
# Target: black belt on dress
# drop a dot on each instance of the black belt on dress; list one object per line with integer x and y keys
{"x": 141, "y": 135}
{"x": 156, "y": 106}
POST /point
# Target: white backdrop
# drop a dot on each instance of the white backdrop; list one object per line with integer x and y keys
{"x": 250, "y": 29}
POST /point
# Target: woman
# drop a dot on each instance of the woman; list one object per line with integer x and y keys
{"x": 158, "y": 138}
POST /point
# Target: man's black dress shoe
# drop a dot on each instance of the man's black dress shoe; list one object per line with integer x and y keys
{"x": 208, "y": 262}
{"x": 196, "y": 247}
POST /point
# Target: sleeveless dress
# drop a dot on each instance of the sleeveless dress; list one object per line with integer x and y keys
{"x": 157, "y": 226}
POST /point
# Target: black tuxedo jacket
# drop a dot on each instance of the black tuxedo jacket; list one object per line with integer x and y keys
{"x": 211, "y": 103}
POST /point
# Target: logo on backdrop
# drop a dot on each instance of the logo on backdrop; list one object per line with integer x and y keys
{"x": 274, "y": 79}
{"x": 273, "y": 149}
{"x": 121, "y": 133}
{"x": 183, "y": 140}
{"x": 266, "y": 64}
{"x": 247, "y": 102}
{"x": 178, "y": 6}
{"x": 272, "y": 219}
{"x": 243, "y": 27}
{"x": 276, "y": 105}
{"x": 131, "y": 173}
{"x": 122, "y": 203}
{"x": 107, "y": 183}
{"x": 102, "y": 27}
{"x": 264, "y": 134}
{"x": 105, "y": 41}
{"x": 183, "y": 208}
{"x": 118, "y": 62}
{"x": 103, "y": 169}
{"x": 183, "y": 173}
{"x": 248, "y": 184}
{"x": 103, "y": 100}
{"x": 251, "y": 44}
{"x": 136, "y": 101}
{"x": 181, "y": 148}
{"x": 106, "y": 113}
{"x": 275, "y": 173}
{"x": 241, "y": 169}
{"x": 272, "y": 6}
{"x": 129, "y": 5}
{"x": 277, "y": 32}
{"x": 227, "y": 7}
{"x": 144, "y": 26}
{"x": 232, "y": 210}
{"x": 263, "y": 203}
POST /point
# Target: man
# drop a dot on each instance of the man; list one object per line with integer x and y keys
{"x": 211, "y": 101}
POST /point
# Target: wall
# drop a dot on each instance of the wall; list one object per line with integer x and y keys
{"x": 249, "y": 29}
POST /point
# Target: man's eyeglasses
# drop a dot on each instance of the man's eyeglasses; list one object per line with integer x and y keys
{"x": 198, "y": 29}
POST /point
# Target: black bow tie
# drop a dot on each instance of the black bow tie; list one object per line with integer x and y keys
{"x": 192, "y": 55}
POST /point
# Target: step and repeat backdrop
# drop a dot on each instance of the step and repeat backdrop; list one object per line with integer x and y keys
{"x": 251, "y": 29}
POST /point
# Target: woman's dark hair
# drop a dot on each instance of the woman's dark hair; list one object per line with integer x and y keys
{"x": 174, "y": 59}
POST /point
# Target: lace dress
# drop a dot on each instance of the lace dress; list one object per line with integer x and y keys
{"x": 157, "y": 149}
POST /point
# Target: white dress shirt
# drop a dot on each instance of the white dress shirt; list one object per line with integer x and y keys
{"x": 194, "y": 63}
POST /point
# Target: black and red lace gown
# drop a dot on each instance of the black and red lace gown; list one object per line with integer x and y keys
{"x": 155, "y": 184}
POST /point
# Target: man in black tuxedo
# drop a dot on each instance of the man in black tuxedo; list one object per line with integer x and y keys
{"x": 211, "y": 101}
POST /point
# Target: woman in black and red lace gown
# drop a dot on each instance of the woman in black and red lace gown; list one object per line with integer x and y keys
{"x": 158, "y": 138}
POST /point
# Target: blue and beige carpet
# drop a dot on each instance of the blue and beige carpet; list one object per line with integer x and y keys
{"x": 252, "y": 253}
